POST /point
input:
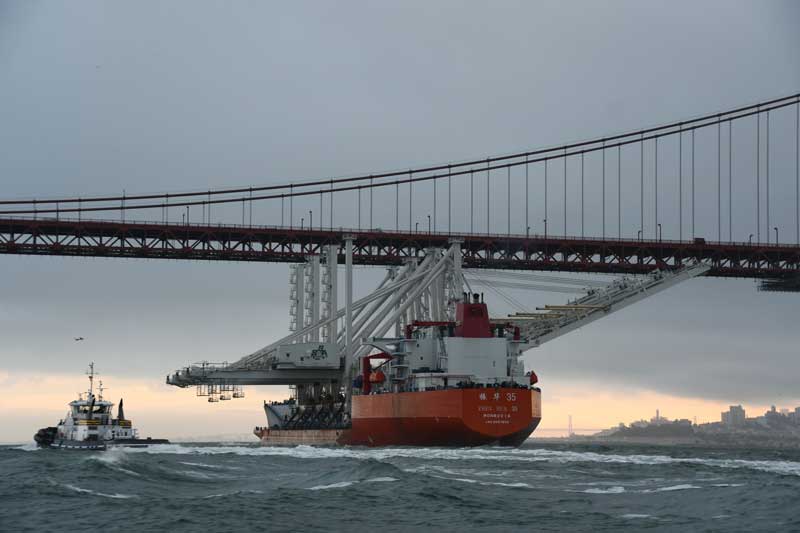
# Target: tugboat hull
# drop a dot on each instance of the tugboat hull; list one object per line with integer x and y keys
{"x": 43, "y": 440}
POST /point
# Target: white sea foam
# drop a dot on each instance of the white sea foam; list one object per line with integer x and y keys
{"x": 104, "y": 495}
{"x": 635, "y": 515}
{"x": 204, "y": 465}
{"x": 28, "y": 447}
{"x": 436, "y": 471}
{"x": 198, "y": 475}
{"x": 339, "y": 485}
{"x": 113, "y": 459}
{"x": 484, "y": 454}
{"x": 673, "y": 488}
{"x": 343, "y": 484}
{"x": 234, "y": 493}
{"x": 512, "y": 485}
{"x": 609, "y": 490}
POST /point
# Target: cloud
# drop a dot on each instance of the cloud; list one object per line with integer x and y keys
{"x": 330, "y": 91}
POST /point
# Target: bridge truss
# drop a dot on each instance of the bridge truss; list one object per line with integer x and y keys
{"x": 88, "y": 238}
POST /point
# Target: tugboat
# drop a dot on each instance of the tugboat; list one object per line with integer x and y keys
{"x": 89, "y": 425}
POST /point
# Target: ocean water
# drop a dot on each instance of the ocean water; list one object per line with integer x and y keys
{"x": 543, "y": 487}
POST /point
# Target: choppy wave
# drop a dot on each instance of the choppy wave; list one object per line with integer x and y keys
{"x": 343, "y": 484}
{"x": 205, "y": 465}
{"x": 116, "y": 496}
{"x": 684, "y": 486}
{"x": 339, "y": 485}
{"x": 610, "y": 490}
{"x": 486, "y": 454}
{"x": 112, "y": 459}
{"x": 186, "y": 487}
{"x": 232, "y": 494}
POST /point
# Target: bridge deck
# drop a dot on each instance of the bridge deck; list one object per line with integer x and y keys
{"x": 92, "y": 238}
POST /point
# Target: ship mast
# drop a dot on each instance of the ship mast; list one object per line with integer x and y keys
{"x": 90, "y": 373}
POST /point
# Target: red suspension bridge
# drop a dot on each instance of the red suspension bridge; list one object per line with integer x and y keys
{"x": 724, "y": 188}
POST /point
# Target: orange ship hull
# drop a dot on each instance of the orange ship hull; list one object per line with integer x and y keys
{"x": 451, "y": 417}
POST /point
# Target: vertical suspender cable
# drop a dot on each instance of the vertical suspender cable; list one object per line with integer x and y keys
{"x": 291, "y": 205}
{"x": 527, "y": 198}
{"x": 758, "y": 177}
{"x": 488, "y": 192}
{"x": 604, "y": 191}
{"x": 359, "y": 208}
{"x": 397, "y": 207}
{"x": 680, "y": 183}
{"x": 797, "y": 172}
{"x": 371, "y": 190}
{"x": 410, "y": 195}
{"x": 508, "y": 203}
{"x": 434, "y": 204}
{"x": 320, "y": 210}
{"x": 582, "y": 210}
{"x": 694, "y": 234}
{"x": 449, "y": 200}
{"x": 619, "y": 192}
{"x": 545, "y": 189}
{"x": 719, "y": 182}
{"x": 282, "y": 208}
{"x": 471, "y": 202}
{"x": 641, "y": 185}
{"x": 730, "y": 180}
{"x": 767, "y": 180}
{"x": 565, "y": 192}
{"x": 251, "y": 207}
{"x": 655, "y": 187}
{"x": 331, "y": 204}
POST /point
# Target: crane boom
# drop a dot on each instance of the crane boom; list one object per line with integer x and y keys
{"x": 559, "y": 320}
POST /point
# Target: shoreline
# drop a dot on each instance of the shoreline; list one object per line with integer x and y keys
{"x": 694, "y": 441}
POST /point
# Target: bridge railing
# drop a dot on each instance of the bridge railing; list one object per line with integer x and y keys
{"x": 325, "y": 230}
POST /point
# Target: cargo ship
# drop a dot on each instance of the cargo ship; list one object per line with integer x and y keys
{"x": 444, "y": 383}
{"x": 419, "y": 361}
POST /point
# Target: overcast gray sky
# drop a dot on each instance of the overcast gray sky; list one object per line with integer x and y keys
{"x": 97, "y": 97}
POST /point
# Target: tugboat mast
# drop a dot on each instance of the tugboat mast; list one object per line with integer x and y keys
{"x": 90, "y": 373}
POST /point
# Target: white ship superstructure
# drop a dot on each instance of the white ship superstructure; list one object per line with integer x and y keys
{"x": 90, "y": 424}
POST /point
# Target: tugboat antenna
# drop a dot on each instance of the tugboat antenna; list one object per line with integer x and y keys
{"x": 90, "y": 373}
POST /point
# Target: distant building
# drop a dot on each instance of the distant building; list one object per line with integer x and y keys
{"x": 658, "y": 419}
{"x": 734, "y": 417}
